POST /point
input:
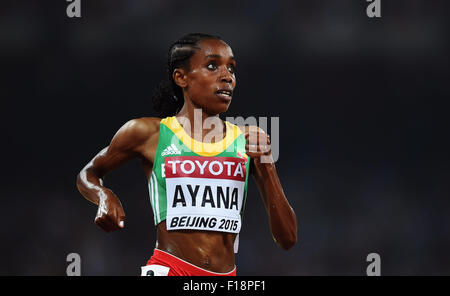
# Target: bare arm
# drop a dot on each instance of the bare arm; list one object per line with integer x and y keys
{"x": 127, "y": 143}
{"x": 282, "y": 218}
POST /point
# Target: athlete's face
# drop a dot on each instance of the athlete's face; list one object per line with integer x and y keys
{"x": 210, "y": 80}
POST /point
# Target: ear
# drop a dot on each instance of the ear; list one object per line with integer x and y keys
{"x": 179, "y": 76}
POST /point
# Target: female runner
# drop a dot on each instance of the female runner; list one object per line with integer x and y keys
{"x": 196, "y": 164}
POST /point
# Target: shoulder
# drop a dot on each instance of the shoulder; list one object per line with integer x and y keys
{"x": 143, "y": 124}
{"x": 140, "y": 129}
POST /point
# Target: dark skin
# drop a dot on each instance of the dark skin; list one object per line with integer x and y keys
{"x": 211, "y": 68}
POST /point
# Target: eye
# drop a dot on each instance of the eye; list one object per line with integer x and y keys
{"x": 231, "y": 68}
{"x": 211, "y": 66}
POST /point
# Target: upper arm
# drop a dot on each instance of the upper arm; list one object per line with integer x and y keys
{"x": 126, "y": 144}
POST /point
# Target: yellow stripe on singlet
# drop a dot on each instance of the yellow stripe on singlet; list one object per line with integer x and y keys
{"x": 202, "y": 148}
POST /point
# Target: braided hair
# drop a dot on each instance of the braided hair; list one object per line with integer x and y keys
{"x": 168, "y": 96}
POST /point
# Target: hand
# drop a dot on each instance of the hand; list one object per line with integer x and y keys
{"x": 258, "y": 145}
{"x": 110, "y": 215}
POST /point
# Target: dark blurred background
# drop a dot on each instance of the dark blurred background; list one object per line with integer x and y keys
{"x": 363, "y": 129}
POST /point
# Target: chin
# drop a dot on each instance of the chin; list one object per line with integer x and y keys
{"x": 220, "y": 108}
{"x": 215, "y": 108}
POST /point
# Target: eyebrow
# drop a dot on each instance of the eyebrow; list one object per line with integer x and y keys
{"x": 217, "y": 56}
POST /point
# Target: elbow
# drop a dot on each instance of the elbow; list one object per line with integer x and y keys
{"x": 79, "y": 183}
{"x": 288, "y": 238}
{"x": 82, "y": 179}
{"x": 288, "y": 243}
{"x": 84, "y": 175}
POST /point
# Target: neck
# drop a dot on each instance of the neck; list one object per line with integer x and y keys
{"x": 197, "y": 123}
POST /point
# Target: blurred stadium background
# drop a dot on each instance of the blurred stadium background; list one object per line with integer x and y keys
{"x": 363, "y": 129}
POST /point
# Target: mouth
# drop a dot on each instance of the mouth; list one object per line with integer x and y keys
{"x": 224, "y": 94}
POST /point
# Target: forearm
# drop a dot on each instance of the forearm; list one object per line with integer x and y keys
{"x": 282, "y": 219}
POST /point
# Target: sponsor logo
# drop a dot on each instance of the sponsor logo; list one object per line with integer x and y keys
{"x": 172, "y": 149}
{"x": 205, "y": 167}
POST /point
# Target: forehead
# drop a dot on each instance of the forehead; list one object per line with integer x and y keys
{"x": 213, "y": 47}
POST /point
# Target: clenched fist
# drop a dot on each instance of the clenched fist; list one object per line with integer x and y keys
{"x": 258, "y": 145}
{"x": 110, "y": 215}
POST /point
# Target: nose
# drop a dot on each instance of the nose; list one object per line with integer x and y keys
{"x": 227, "y": 79}
{"x": 226, "y": 76}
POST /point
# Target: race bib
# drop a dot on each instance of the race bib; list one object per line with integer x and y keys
{"x": 154, "y": 270}
{"x": 204, "y": 193}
